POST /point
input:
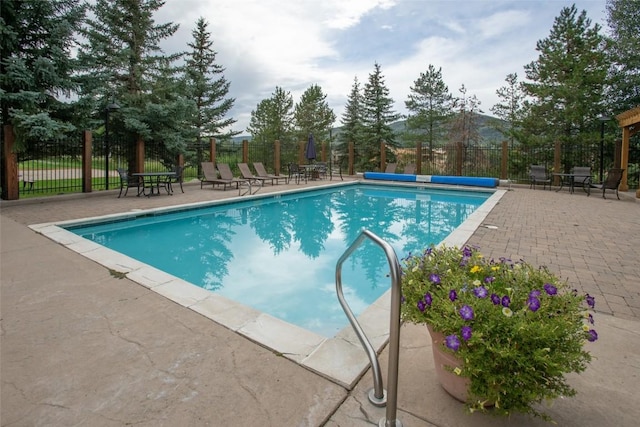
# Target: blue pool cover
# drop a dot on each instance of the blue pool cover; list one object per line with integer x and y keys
{"x": 435, "y": 179}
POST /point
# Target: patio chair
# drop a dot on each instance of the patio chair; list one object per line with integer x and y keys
{"x": 335, "y": 169}
{"x": 211, "y": 176}
{"x": 176, "y": 178}
{"x": 321, "y": 170}
{"x": 249, "y": 176}
{"x": 227, "y": 176}
{"x": 391, "y": 168}
{"x": 612, "y": 182}
{"x": 262, "y": 173}
{"x": 409, "y": 169}
{"x": 538, "y": 175}
{"x": 127, "y": 181}
{"x": 582, "y": 178}
{"x": 297, "y": 173}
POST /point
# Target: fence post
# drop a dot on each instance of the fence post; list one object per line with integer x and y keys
{"x": 212, "y": 150}
{"x": 10, "y": 185}
{"x": 504, "y": 174}
{"x": 276, "y": 157}
{"x": 301, "y": 153}
{"x": 323, "y": 154}
{"x": 418, "y": 157}
{"x": 245, "y": 151}
{"x": 383, "y": 157}
{"x": 557, "y": 161}
{"x": 459, "y": 158}
{"x": 87, "y": 172}
{"x": 180, "y": 160}
{"x": 351, "y": 158}
{"x": 140, "y": 155}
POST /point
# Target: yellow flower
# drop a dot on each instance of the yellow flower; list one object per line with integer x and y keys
{"x": 475, "y": 269}
{"x": 495, "y": 268}
{"x": 586, "y": 328}
{"x": 507, "y": 311}
{"x": 457, "y": 371}
{"x": 477, "y": 282}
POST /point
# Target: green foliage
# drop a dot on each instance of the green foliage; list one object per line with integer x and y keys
{"x": 210, "y": 93}
{"x": 36, "y": 39}
{"x": 352, "y": 122}
{"x": 567, "y": 81}
{"x": 273, "y": 118}
{"x": 313, "y": 115}
{"x": 510, "y": 109}
{"x": 517, "y": 329}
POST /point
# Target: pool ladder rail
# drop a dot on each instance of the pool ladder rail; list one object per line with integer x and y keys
{"x": 378, "y": 396}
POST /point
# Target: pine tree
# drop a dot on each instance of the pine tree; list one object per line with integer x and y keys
{"x": 123, "y": 62}
{"x": 465, "y": 127}
{"x": 567, "y": 80}
{"x": 273, "y": 118}
{"x": 510, "y": 108}
{"x": 377, "y": 116}
{"x": 351, "y": 123}
{"x": 208, "y": 91}
{"x": 430, "y": 104}
{"x": 312, "y": 114}
{"x": 36, "y": 65}
{"x": 623, "y": 17}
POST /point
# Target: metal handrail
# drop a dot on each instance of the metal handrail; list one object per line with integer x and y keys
{"x": 377, "y": 395}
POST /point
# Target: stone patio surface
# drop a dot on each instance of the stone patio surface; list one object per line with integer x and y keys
{"x": 82, "y": 347}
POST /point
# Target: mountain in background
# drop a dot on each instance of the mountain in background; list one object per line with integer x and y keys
{"x": 487, "y": 133}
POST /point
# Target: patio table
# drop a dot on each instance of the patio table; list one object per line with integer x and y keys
{"x": 152, "y": 180}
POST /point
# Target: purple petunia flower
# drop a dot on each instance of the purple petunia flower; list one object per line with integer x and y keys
{"x": 480, "y": 292}
{"x": 434, "y": 278}
{"x": 466, "y": 312}
{"x": 591, "y": 301}
{"x": 550, "y": 289}
{"x": 466, "y": 251}
{"x": 506, "y": 301}
{"x": 534, "y": 304}
{"x": 466, "y": 333}
{"x": 428, "y": 299}
{"x": 453, "y": 295}
{"x": 421, "y": 306}
{"x": 593, "y": 335}
{"x": 495, "y": 299}
{"x": 452, "y": 342}
{"x": 534, "y": 293}
{"x": 489, "y": 279}
{"x": 590, "y": 318}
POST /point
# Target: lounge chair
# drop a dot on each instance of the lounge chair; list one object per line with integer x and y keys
{"x": 261, "y": 172}
{"x": 211, "y": 176}
{"x": 409, "y": 169}
{"x": 391, "y": 168}
{"x": 249, "y": 176}
{"x": 582, "y": 178}
{"x": 225, "y": 174}
{"x": 538, "y": 175}
{"x": 127, "y": 181}
{"x": 612, "y": 182}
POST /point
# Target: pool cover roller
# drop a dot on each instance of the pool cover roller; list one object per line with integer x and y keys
{"x": 435, "y": 179}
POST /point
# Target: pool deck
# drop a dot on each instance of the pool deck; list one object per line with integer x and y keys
{"x": 80, "y": 346}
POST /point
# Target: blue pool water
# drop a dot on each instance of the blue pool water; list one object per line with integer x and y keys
{"x": 278, "y": 254}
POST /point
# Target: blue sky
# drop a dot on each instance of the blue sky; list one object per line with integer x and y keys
{"x": 295, "y": 44}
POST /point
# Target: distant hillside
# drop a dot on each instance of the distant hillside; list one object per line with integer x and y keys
{"x": 487, "y": 133}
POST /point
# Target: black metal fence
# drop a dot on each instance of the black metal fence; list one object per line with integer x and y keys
{"x": 57, "y": 167}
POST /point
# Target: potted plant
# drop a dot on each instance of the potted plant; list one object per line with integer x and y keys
{"x": 508, "y": 330}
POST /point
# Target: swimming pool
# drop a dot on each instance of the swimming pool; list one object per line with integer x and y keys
{"x": 294, "y": 237}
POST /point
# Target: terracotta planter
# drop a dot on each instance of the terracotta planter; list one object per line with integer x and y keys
{"x": 453, "y": 384}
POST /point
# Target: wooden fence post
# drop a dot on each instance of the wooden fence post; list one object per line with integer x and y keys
{"x": 276, "y": 157}
{"x": 383, "y": 157}
{"x": 459, "y": 158}
{"x": 351, "y": 158}
{"x": 419, "y": 157}
{"x": 87, "y": 171}
{"x": 504, "y": 164}
{"x": 139, "y": 168}
{"x": 557, "y": 161}
{"x": 10, "y": 185}
{"x": 245, "y": 151}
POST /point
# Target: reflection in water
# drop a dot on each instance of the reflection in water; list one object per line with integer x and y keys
{"x": 278, "y": 255}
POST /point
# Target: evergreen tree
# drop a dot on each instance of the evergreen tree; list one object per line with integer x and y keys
{"x": 429, "y": 103}
{"x": 36, "y": 65}
{"x": 465, "y": 126}
{"x": 273, "y": 119}
{"x": 208, "y": 91}
{"x": 623, "y": 17}
{"x": 313, "y": 115}
{"x": 567, "y": 80}
{"x": 377, "y": 116}
{"x": 351, "y": 123}
{"x": 510, "y": 108}
{"x": 122, "y": 62}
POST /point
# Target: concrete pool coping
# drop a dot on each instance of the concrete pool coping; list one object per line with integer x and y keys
{"x": 340, "y": 359}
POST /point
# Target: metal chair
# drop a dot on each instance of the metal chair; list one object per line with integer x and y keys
{"x": 127, "y": 181}
{"x": 538, "y": 175}
{"x": 614, "y": 177}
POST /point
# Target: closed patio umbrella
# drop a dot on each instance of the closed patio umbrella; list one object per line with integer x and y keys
{"x": 310, "y": 152}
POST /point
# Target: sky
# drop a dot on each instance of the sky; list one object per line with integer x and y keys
{"x": 294, "y": 44}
